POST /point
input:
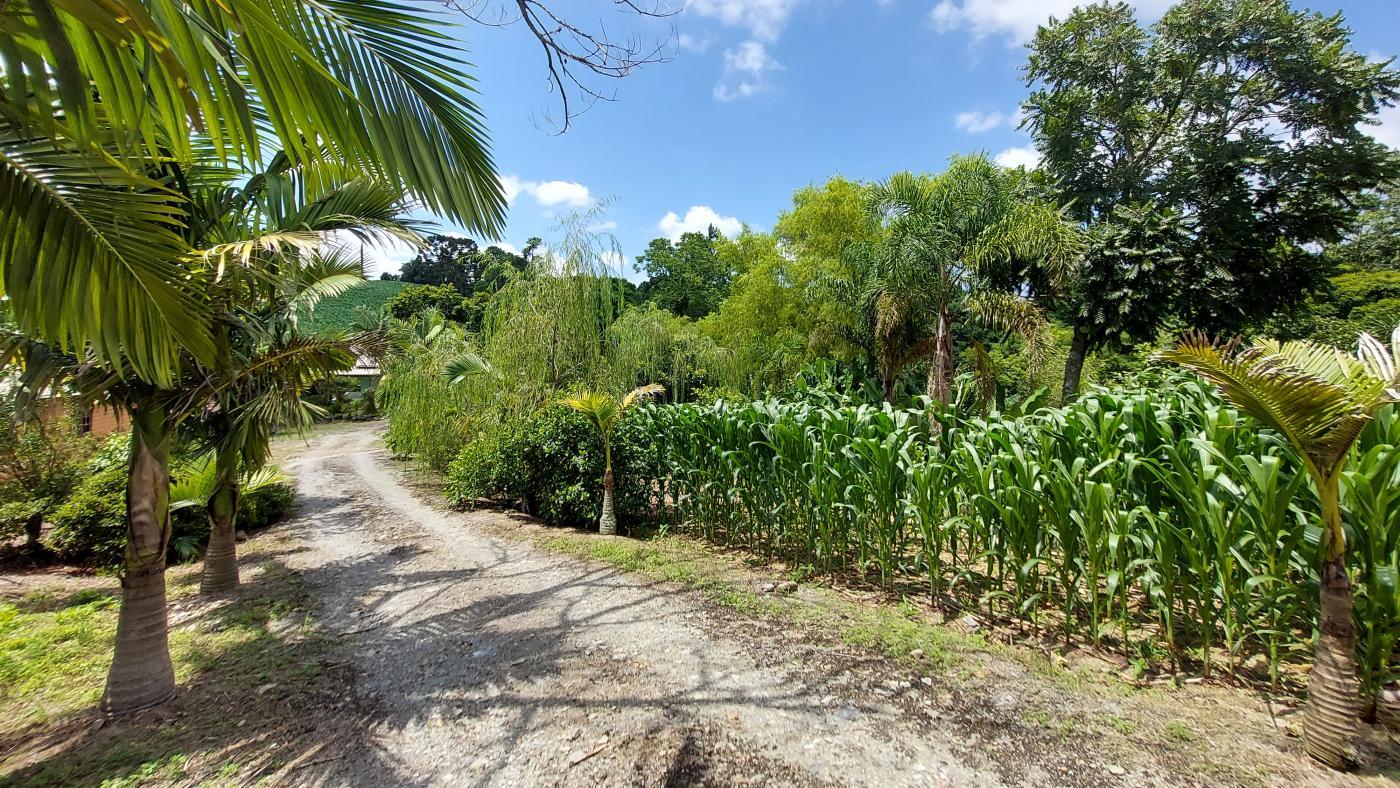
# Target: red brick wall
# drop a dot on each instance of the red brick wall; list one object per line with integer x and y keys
{"x": 106, "y": 420}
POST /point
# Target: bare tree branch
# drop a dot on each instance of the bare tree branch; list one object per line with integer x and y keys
{"x": 574, "y": 56}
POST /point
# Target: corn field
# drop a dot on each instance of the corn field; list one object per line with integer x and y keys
{"x": 1159, "y": 523}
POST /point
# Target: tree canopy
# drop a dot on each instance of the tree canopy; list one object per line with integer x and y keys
{"x": 1220, "y": 145}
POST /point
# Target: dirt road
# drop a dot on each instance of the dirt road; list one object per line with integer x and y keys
{"x": 484, "y": 661}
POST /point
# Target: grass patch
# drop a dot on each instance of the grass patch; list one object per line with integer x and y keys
{"x": 250, "y": 669}
{"x": 900, "y": 632}
{"x": 1177, "y": 730}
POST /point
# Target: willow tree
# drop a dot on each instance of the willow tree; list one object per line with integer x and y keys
{"x": 961, "y": 245}
{"x": 1319, "y": 399}
{"x": 101, "y": 259}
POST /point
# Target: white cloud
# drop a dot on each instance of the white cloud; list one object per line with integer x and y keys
{"x": 745, "y": 71}
{"x": 764, "y": 19}
{"x": 974, "y": 122}
{"x": 694, "y": 43}
{"x": 547, "y": 193}
{"x": 1388, "y": 131}
{"x": 698, "y": 219}
{"x": 605, "y": 226}
{"x": 1018, "y": 157}
{"x": 504, "y": 247}
{"x": 1015, "y": 19}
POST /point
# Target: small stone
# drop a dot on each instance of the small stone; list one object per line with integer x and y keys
{"x": 1116, "y": 770}
{"x": 927, "y": 682}
{"x": 787, "y": 587}
{"x": 240, "y": 535}
{"x": 917, "y": 653}
{"x": 970, "y": 623}
{"x": 767, "y": 588}
{"x": 266, "y": 688}
{"x": 848, "y": 713}
{"x": 602, "y": 740}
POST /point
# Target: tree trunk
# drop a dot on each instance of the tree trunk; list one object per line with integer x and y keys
{"x": 607, "y": 524}
{"x": 1074, "y": 363}
{"x": 220, "y": 571}
{"x": 33, "y": 529}
{"x": 141, "y": 674}
{"x": 1330, "y": 717}
{"x": 887, "y": 381}
{"x": 940, "y": 374}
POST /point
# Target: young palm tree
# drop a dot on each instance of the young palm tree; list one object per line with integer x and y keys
{"x": 1320, "y": 399}
{"x": 605, "y": 412}
{"x": 968, "y": 239}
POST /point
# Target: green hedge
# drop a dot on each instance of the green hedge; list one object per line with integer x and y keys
{"x": 552, "y": 467}
{"x": 90, "y": 527}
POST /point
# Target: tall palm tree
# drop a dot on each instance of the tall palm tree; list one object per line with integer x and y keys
{"x": 966, "y": 242}
{"x": 1320, "y": 399}
{"x": 97, "y": 100}
{"x": 605, "y": 412}
{"x": 103, "y": 256}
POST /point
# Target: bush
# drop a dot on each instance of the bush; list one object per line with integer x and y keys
{"x": 90, "y": 528}
{"x": 552, "y": 466}
{"x": 264, "y": 505}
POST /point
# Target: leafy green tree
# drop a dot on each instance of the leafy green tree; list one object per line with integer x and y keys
{"x": 686, "y": 277}
{"x": 416, "y": 299}
{"x": 445, "y": 260}
{"x": 1222, "y": 143}
{"x": 953, "y": 247}
{"x": 1319, "y": 399}
{"x": 1374, "y": 243}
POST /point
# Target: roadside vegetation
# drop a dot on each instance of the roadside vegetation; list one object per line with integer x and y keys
{"x": 917, "y": 383}
{"x": 1140, "y": 398}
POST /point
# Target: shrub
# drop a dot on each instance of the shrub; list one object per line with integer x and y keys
{"x": 90, "y": 527}
{"x": 264, "y": 505}
{"x": 552, "y": 466}
{"x": 491, "y": 465}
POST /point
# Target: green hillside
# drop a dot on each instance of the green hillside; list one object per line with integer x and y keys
{"x": 336, "y": 314}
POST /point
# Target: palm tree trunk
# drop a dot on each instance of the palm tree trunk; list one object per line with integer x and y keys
{"x": 141, "y": 674}
{"x": 220, "y": 571}
{"x": 1330, "y": 718}
{"x": 940, "y": 374}
{"x": 1074, "y": 362}
{"x": 607, "y": 523}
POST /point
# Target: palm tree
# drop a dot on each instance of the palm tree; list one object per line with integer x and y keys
{"x": 268, "y": 281}
{"x": 103, "y": 257}
{"x": 605, "y": 411}
{"x": 110, "y": 90}
{"x": 1320, "y": 399}
{"x": 967, "y": 240}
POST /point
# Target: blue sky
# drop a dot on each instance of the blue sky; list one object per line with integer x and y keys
{"x": 766, "y": 96}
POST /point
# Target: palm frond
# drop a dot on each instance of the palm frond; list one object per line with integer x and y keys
{"x": 465, "y": 367}
{"x": 1311, "y": 394}
{"x": 641, "y": 394}
{"x": 366, "y": 82}
{"x": 90, "y": 256}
